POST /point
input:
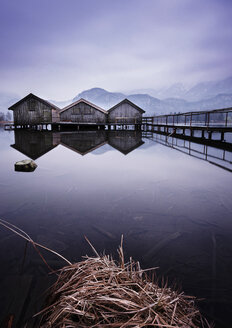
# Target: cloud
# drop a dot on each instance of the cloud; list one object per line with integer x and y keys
{"x": 57, "y": 48}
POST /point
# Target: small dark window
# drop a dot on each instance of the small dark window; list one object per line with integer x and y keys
{"x": 76, "y": 111}
{"x": 87, "y": 110}
{"x": 32, "y": 104}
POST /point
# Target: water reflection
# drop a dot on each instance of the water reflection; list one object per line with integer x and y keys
{"x": 35, "y": 144}
{"x": 174, "y": 212}
{"x": 83, "y": 142}
{"x": 125, "y": 141}
{"x": 213, "y": 151}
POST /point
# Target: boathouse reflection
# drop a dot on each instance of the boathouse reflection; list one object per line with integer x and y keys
{"x": 35, "y": 144}
{"x": 83, "y": 142}
{"x": 125, "y": 141}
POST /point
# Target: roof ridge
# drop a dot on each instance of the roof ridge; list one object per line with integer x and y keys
{"x": 85, "y": 101}
{"x": 128, "y": 101}
{"x": 36, "y": 97}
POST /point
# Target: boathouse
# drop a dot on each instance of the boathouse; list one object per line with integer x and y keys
{"x": 32, "y": 110}
{"x": 83, "y": 112}
{"x": 125, "y": 112}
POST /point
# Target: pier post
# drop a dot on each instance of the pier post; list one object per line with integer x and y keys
{"x": 226, "y": 119}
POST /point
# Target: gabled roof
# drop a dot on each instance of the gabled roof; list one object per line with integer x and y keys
{"x": 86, "y": 102}
{"x": 31, "y": 95}
{"x": 127, "y": 101}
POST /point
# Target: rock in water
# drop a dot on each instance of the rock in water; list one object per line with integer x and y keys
{"x": 26, "y": 165}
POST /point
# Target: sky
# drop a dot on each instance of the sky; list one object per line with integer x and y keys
{"x": 58, "y": 48}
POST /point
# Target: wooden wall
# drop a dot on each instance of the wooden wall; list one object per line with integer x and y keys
{"x": 82, "y": 113}
{"x": 33, "y": 111}
{"x": 125, "y": 113}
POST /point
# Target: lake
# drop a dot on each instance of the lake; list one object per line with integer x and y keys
{"x": 170, "y": 199}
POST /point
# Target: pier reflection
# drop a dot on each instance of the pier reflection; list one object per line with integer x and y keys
{"x": 215, "y": 152}
{"x": 35, "y": 144}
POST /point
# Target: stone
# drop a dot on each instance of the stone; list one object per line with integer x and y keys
{"x": 25, "y": 165}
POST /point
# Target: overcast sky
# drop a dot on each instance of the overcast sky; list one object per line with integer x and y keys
{"x": 58, "y": 48}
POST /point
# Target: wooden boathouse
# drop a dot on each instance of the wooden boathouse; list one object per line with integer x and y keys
{"x": 82, "y": 112}
{"x": 32, "y": 111}
{"x": 125, "y": 112}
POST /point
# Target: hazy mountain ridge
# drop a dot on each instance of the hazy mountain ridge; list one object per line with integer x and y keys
{"x": 6, "y": 100}
{"x": 101, "y": 97}
{"x": 205, "y": 95}
{"x": 198, "y": 92}
{"x": 206, "y": 90}
{"x": 153, "y": 105}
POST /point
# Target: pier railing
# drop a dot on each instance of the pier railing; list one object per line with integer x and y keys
{"x": 218, "y": 117}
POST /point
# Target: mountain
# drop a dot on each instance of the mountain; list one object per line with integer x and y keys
{"x": 6, "y": 100}
{"x": 217, "y": 102}
{"x": 206, "y": 90}
{"x": 176, "y": 98}
{"x": 177, "y": 90}
{"x": 152, "y": 105}
{"x": 198, "y": 92}
{"x": 101, "y": 97}
{"x": 61, "y": 104}
{"x": 106, "y": 99}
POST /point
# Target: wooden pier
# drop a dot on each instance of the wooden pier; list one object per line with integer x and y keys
{"x": 201, "y": 124}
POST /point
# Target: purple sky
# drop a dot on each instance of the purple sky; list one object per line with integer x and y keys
{"x": 57, "y": 48}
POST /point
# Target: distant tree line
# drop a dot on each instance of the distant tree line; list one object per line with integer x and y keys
{"x": 5, "y": 117}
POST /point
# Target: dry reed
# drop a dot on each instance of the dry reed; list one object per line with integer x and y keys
{"x": 98, "y": 292}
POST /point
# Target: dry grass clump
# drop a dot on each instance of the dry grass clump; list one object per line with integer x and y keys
{"x": 98, "y": 292}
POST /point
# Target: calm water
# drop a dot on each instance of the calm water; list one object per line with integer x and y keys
{"x": 174, "y": 210}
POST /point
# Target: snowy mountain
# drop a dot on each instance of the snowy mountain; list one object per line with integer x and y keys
{"x": 176, "y": 98}
{"x": 152, "y": 105}
{"x": 101, "y": 97}
{"x": 206, "y": 90}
